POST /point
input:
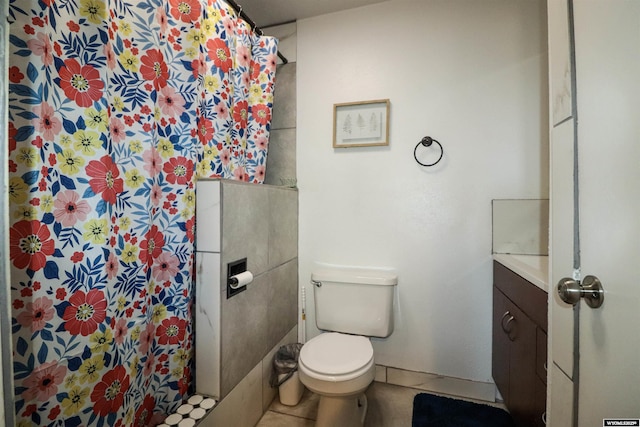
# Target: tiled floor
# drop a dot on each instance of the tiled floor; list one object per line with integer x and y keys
{"x": 190, "y": 412}
{"x": 389, "y": 406}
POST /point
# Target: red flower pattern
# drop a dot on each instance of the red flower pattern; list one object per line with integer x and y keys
{"x": 151, "y": 247}
{"x": 241, "y": 114}
{"x": 15, "y": 75}
{"x": 144, "y": 412}
{"x": 219, "y": 53}
{"x": 205, "y": 130}
{"x": 261, "y": 113}
{"x": 185, "y": 10}
{"x": 85, "y": 312}
{"x": 13, "y": 131}
{"x": 108, "y": 394}
{"x": 191, "y": 229}
{"x": 30, "y": 244}
{"x": 154, "y": 68}
{"x": 105, "y": 178}
{"x": 55, "y": 411}
{"x": 179, "y": 170}
{"x": 80, "y": 83}
{"x": 171, "y": 331}
{"x": 183, "y": 383}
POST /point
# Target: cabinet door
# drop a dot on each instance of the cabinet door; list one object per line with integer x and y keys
{"x": 540, "y": 404}
{"x": 522, "y": 359}
{"x": 501, "y": 343}
{"x": 541, "y": 355}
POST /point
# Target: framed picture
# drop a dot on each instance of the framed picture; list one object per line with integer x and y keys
{"x": 361, "y": 124}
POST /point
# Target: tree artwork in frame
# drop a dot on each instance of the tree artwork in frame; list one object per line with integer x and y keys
{"x": 361, "y": 124}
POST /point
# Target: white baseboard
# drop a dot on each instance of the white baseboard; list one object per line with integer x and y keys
{"x": 438, "y": 384}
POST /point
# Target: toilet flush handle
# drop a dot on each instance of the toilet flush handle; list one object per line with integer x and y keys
{"x": 316, "y": 283}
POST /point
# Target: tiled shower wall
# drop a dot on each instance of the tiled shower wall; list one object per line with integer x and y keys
{"x": 260, "y": 223}
{"x": 281, "y": 162}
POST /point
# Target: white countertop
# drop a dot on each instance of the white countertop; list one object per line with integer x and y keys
{"x": 534, "y": 268}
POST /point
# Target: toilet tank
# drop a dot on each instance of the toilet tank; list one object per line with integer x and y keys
{"x": 354, "y": 300}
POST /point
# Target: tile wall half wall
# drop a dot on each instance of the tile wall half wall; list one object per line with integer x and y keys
{"x": 259, "y": 222}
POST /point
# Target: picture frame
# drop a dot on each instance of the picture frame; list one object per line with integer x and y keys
{"x": 361, "y": 124}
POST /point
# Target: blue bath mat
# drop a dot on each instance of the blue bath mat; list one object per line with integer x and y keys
{"x": 437, "y": 411}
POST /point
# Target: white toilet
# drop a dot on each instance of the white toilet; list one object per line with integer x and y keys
{"x": 352, "y": 304}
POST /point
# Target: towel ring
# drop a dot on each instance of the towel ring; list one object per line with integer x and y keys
{"x": 427, "y": 141}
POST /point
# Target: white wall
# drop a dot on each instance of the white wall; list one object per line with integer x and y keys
{"x": 471, "y": 74}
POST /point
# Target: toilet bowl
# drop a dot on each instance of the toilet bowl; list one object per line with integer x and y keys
{"x": 339, "y": 368}
{"x": 352, "y": 304}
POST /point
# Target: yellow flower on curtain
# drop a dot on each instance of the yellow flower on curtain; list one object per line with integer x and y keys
{"x": 93, "y": 10}
{"x": 129, "y": 61}
{"x": 96, "y": 119}
{"x": 17, "y": 190}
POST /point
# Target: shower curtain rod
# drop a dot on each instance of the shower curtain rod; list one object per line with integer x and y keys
{"x": 253, "y": 25}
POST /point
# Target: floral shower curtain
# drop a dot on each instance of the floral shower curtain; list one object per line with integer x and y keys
{"x": 115, "y": 108}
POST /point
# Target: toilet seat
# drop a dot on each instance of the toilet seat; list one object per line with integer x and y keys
{"x": 333, "y": 356}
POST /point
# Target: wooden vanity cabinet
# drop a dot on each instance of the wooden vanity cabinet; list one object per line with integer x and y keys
{"x": 520, "y": 345}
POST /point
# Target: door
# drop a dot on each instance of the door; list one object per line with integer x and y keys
{"x": 608, "y": 94}
{"x": 595, "y": 199}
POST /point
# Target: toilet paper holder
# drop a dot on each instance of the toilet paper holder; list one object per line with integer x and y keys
{"x": 234, "y": 268}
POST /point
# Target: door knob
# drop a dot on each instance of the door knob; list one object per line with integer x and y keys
{"x": 570, "y": 291}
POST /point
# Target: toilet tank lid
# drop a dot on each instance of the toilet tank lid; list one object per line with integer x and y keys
{"x": 355, "y": 275}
